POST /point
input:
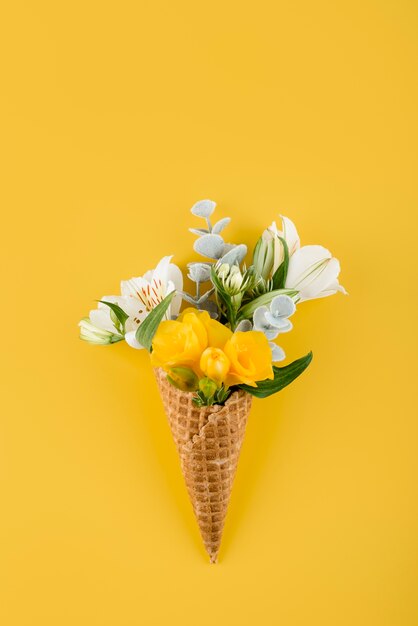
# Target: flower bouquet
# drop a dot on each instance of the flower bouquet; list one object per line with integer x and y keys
{"x": 215, "y": 355}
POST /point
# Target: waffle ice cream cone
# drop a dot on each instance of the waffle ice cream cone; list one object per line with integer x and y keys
{"x": 208, "y": 441}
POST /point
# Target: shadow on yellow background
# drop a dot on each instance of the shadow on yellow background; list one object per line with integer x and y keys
{"x": 115, "y": 119}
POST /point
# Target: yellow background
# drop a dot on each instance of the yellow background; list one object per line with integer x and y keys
{"x": 115, "y": 118}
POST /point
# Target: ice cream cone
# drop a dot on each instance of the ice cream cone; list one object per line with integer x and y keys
{"x": 208, "y": 441}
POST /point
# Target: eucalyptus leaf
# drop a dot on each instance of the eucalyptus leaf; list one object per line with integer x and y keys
{"x": 211, "y": 307}
{"x": 199, "y": 231}
{"x": 119, "y": 316}
{"x": 283, "y": 376}
{"x": 234, "y": 255}
{"x": 220, "y": 225}
{"x": 203, "y": 208}
{"x": 227, "y": 247}
{"x": 199, "y": 272}
{"x": 210, "y": 246}
{"x": 205, "y": 296}
{"x": 244, "y": 326}
{"x": 188, "y": 297}
{"x": 147, "y": 329}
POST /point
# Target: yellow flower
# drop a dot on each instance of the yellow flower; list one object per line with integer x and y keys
{"x": 210, "y": 349}
{"x": 217, "y": 333}
{"x": 176, "y": 343}
{"x": 215, "y": 364}
{"x": 191, "y": 318}
{"x": 250, "y": 357}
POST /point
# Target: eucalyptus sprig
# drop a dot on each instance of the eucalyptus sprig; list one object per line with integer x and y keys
{"x": 210, "y": 244}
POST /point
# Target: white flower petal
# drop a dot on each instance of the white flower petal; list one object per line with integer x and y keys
{"x": 273, "y": 228}
{"x": 329, "y": 291}
{"x": 304, "y": 265}
{"x": 112, "y": 299}
{"x": 175, "y": 277}
{"x": 161, "y": 271}
{"x": 148, "y": 275}
{"x": 322, "y": 281}
{"x": 101, "y": 319}
{"x": 133, "y": 286}
{"x": 132, "y": 307}
{"x": 132, "y": 341}
{"x": 290, "y": 234}
{"x": 93, "y": 334}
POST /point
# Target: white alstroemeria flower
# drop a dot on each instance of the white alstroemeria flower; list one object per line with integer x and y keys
{"x": 139, "y": 296}
{"x": 95, "y": 334}
{"x": 313, "y": 271}
{"x": 103, "y": 317}
{"x": 289, "y": 234}
{"x": 274, "y": 320}
{"x": 269, "y": 253}
{"x": 145, "y": 292}
{"x": 102, "y": 322}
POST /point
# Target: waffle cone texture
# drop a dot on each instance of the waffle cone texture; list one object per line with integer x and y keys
{"x": 208, "y": 441}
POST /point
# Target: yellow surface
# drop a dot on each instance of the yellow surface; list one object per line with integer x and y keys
{"x": 115, "y": 118}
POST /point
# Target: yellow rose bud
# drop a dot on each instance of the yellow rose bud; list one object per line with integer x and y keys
{"x": 250, "y": 358}
{"x": 215, "y": 364}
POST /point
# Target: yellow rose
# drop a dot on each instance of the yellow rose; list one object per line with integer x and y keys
{"x": 215, "y": 364}
{"x": 177, "y": 343}
{"x": 194, "y": 320}
{"x": 217, "y": 333}
{"x": 250, "y": 357}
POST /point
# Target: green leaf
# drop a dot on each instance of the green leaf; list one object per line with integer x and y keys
{"x": 283, "y": 376}
{"x": 117, "y": 315}
{"x": 280, "y": 275}
{"x": 246, "y": 312}
{"x": 147, "y": 329}
{"x": 222, "y": 395}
